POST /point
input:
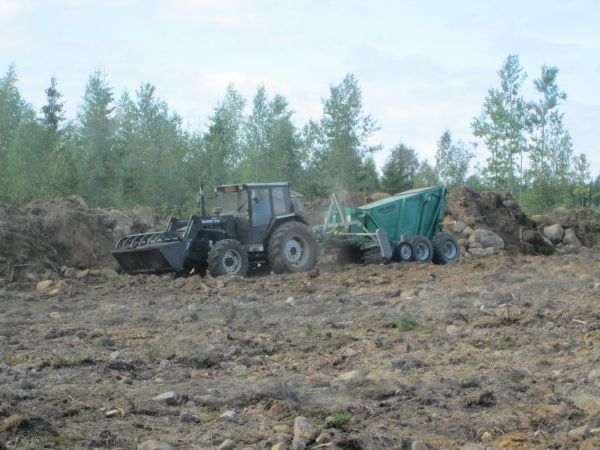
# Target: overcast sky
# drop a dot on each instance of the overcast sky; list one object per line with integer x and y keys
{"x": 423, "y": 66}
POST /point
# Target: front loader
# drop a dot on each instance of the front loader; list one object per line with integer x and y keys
{"x": 404, "y": 227}
{"x": 254, "y": 225}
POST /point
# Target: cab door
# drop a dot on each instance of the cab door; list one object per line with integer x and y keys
{"x": 261, "y": 213}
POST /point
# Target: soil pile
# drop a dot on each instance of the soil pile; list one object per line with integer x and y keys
{"x": 496, "y": 211}
{"x": 64, "y": 231}
{"x": 585, "y": 223}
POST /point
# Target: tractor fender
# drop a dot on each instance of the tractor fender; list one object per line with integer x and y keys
{"x": 277, "y": 221}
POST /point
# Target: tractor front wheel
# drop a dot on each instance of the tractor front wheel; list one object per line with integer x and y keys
{"x": 292, "y": 248}
{"x": 227, "y": 257}
{"x": 422, "y": 249}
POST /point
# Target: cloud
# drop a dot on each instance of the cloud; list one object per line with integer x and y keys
{"x": 231, "y": 14}
{"x": 9, "y": 9}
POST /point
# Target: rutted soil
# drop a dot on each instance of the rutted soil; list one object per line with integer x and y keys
{"x": 501, "y": 352}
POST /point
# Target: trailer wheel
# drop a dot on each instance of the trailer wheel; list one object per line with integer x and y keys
{"x": 445, "y": 249}
{"x": 292, "y": 248}
{"x": 422, "y": 249}
{"x": 227, "y": 257}
{"x": 404, "y": 252}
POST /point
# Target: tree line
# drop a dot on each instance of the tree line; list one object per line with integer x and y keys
{"x": 134, "y": 149}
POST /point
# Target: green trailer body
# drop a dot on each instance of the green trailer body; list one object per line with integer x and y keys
{"x": 411, "y": 220}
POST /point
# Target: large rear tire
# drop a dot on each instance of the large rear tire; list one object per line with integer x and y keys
{"x": 445, "y": 249}
{"x": 227, "y": 257}
{"x": 292, "y": 248}
{"x": 422, "y": 249}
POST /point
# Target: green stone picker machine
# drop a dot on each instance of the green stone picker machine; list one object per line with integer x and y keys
{"x": 404, "y": 227}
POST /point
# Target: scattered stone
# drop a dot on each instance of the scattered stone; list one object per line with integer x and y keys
{"x": 455, "y": 331}
{"x": 354, "y": 376}
{"x": 227, "y": 365}
{"x": 468, "y": 231}
{"x": 230, "y": 415}
{"x": 25, "y": 384}
{"x": 459, "y": 226}
{"x": 281, "y": 428}
{"x": 304, "y": 429}
{"x": 484, "y": 399}
{"x": 487, "y": 437}
{"x": 579, "y": 432}
{"x": 530, "y": 236}
{"x": 282, "y": 445}
{"x": 324, "y": 438}
{"x": 394, "y": 293}
{"x": 487, "y": 238}
{"x": 70, "y": 272}
{"x": 108, "y": 273}
{"x": 143, "y": 217}
{"x": 43, "y": 286}
{"x": 189, "y": 417}
{"x": 81, "y": 274}
{"x": 477, "y": 252}
{"x": 169, "y": 397}
{"x": 419, "y": 445}
{"x": 55, "y": 315}
{"x": 113, "y": 413}
{"x": 116, "y": 356}
{"x": 240, "y": 370}
{"x": 165, "y": 364}
{"x": 227, "y": 444}
{"x": 555, "y": 233}
{"x": 155, "y": 445}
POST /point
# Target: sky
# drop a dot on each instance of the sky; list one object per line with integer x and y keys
{"x": 423, "y": 66}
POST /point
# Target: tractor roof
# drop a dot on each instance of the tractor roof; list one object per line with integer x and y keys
{"x": 241, "y": 186}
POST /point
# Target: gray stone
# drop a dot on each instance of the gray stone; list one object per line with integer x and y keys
{"x": 227, "y": 365}
{"x": 298, "y": 443}
{"x": 230, "y": 415}
{"x": 419, "y": 445}
{"x": 123, "y": 222}
{"x": 579, "y": 432}
{"x": 283, "y": 445}
{"x": 227, "y": 444}
{"x": 468, "y": 231}
{"x": 169, "y": 397}
{"x": 25, "y": 384}
{"x": 70, "y": 272}
{"x": 555, "y": 233}
{"x": 108, "y": 273}
{"x": 477, "y": 252}
{"x": 567, "y": 249}
{"x": 458, "y": 226}
{"x": 189, "y": 417}
{"x": 541, "y": 219}
{"x": 81, "y": 274}
{"x": 487, "y": 238}
{"x": 354, "y": 376}
{"x": 304, "y": 429}
{"x": 155, "y": 445}
{"x": 530, "y": 236}
{"x": 571, "y": 238}
{"x": 454, "y": 331}
{"x": 143, "y": 216}
{"x": 116, "y": 356}
{"x": 491, "y": 251}
{"x": 165, "y": 364}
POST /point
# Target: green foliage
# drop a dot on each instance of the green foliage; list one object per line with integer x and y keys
{"x": 452, "y": 160}
{"x": 399, "y": 169}
{"x": 404, "y": 322}
{"x": 339, "y": 419}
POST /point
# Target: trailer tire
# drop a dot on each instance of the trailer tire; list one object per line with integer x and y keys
{"x": 445, "y": 249}
{"x": 422, "y": 249}
{"x": 403, "y": 252}
{"x": 227, "y": 257}
{"x": 292, "y": 248}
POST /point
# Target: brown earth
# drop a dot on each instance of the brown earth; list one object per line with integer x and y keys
{"x": 493, "y": 353}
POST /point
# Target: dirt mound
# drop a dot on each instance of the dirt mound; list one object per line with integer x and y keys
{"x": 496, "y": 211}
{"x": 64, "y": 231}
{"x": 584, "y": 221}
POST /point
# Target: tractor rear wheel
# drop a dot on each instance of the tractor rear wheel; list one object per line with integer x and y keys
{"x": 292, "y": 248}
{"x": 404, "y": 252}
{"x": 227, "y": 257}
{"x": 422, "y": 249}
{"x": 445, "y": 249}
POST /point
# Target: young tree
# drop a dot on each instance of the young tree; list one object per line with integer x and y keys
{"x": 400, "y": 169}
{"x": 583, "y": 177}
{"x": 346, "y": 131}
{"x": 53, "y": 109}
{"x": 503, "y": 126}
{"x": 452, "y": 160}
{"x": 426, "y": 175}
{"x": 97, "y": 131}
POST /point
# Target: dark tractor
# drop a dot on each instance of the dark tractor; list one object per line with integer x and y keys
{"x": 253, "y": 226}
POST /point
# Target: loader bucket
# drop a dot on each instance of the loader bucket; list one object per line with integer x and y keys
{"x": 162, "y": 257}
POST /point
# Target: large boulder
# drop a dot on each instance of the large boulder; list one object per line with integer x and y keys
{"x": 123, "y": 222}
{"x": 144, "y": 217}
{"x": 486, "y": 238}
{"x": 571, "y": 238}
{"x": 555, "y": 233}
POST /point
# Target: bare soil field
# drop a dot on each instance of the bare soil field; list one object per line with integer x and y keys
{"x": 499, "y": 352}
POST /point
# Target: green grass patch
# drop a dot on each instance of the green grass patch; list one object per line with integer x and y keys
{"x": 339, "y": 419}
{"x": 405, "y": 322}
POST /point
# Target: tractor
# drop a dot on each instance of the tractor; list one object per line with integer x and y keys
{"x": 254, "y": 225}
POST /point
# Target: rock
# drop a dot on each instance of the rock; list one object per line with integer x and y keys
{"x": 165, "y": 364}
{"x": 579, "y": 432}
{"x": 81, "y": 274}
{"x": 477, "y": 252}
{"x": 112, "y": 413}
{"x": 594, "y": 376}
{"x": 419, "y": 445}
{"x": 281, "y": 428}
{"x": 487, "y": 238}
{"x": 230, "y": 415}
{"x": 567, "y": 249}
{"x": 240, "y": 370}
{"x": 487, "y": 437}
{"x": 304, "y": 429}
{"x": 283, "y": 445}
{"x": 227, "y": 365}
{"x": 143, "y": 217}
{"x": 43, "y": 286}
{"x": 227, "y": 444}
{"x": 25, "y": 384}
{"x": 207, "y": 400}
{"x": 298, "y": 444}
{"x": 188, "y": 417}
{"x": 55, "y": 315}
{"x": 108, "y": 273}
{"x": 122, "y": 222}
{"x": 354, "y": 376}
{"x": 555, "y": 233}
{"x": 455, "y": 331}
{"x": 459, "y": 226}
{"x": 541, "y": 219}
{"x": 169, "y": 397}
{"x": 468, "y": 231}
{"x": 490, "y": 251}
{"x": 530, "y": 236}
{"x": 70, "y": 272}
{"x": 571, "y": 238}
{"x": 155, "y": 445}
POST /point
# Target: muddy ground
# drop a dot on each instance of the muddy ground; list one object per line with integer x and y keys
{"x": 502, "y": 352}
